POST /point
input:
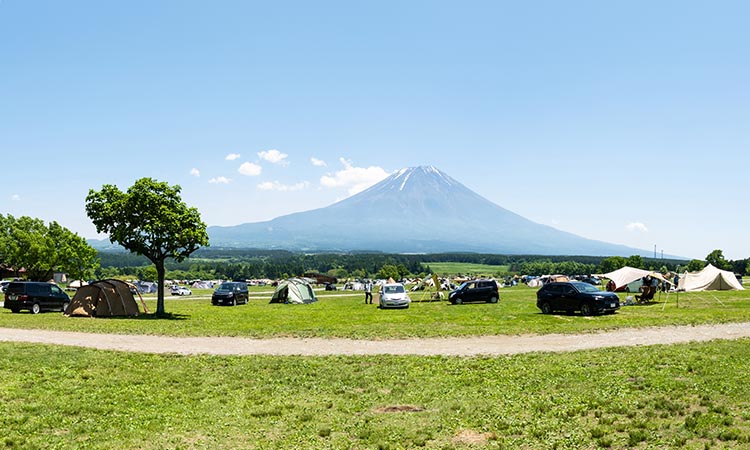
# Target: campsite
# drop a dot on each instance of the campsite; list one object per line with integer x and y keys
{"x": 677, "y": 396}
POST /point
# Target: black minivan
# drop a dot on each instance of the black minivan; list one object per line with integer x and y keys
{"x": 35, "y": 296}
{"x": 475, "y": 291}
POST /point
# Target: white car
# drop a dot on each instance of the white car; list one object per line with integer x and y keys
{"x": 181, "y": 290}
{"x": 393, "y": 295}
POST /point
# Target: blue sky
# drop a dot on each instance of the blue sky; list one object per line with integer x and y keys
{"x": 626, "y": 122}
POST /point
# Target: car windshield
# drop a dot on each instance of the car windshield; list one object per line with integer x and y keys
{"x": 226, "y": 287}
{"x": 585, "y": 287}
{"x": 394, "y": 289}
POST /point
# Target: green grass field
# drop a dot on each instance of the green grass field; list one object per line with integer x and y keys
{"x": 343, "y": 314}
{"x": 454, "y": 268}
{"x": 693, "y": 396}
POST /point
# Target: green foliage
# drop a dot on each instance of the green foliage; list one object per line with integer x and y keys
{"x": 716, "y": 258}
{"x": 695, "y": 265}
{"x": 635, "y": 261}
{"x": 389, "y": 271}
{"x": 150, "y": 219}
{"x": 612, "y": 263}
{"x": 43, "y": 249}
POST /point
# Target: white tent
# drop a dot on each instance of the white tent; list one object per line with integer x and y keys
{"x": 627, "y": 274}
{"x": 709, "y": 279}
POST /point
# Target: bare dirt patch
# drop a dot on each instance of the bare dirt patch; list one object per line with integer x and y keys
{"x": 398, "y": 408}
{"x": 471, "y": 437}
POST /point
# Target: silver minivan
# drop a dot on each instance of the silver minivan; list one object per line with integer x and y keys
{"x": 393, "y": 295}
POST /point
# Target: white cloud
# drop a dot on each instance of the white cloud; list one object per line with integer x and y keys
{"x": 274, "y": 157}
{"x": 276, "y": 186}
{"x": 15, "y": 197}
{"x": 195, "y": 172}
{"x": 354, "y": 179}
{"x": 637, "y": 226}
{"x": 249, "y": 169}
{"x": 317, "y": 162}
{"x": 232, "y": 156}
{"x": 220, "y": 180}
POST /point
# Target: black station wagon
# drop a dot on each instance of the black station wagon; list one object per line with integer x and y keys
{"x": 35, "y": 296}
{"x": 575, "y": 296}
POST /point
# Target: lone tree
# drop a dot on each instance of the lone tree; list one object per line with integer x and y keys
{"x": 150, "y": 219}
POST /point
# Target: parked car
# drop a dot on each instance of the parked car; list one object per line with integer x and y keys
{"x": 393, "y": 295}
{"x": 475, "y": 291}
{"x": 181, "y": 290}
{"x": 576, "y": 296}
{"x": 230, "y": 293}
{"x": 35, "y": 296}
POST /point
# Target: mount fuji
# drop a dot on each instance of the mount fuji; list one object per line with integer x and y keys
{"x": 415, "y": 210}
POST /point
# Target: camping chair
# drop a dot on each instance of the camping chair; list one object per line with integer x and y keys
{"x": 647, "y": 294}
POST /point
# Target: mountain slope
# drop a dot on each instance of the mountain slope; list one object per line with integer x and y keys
{"x": 419, "y": 209}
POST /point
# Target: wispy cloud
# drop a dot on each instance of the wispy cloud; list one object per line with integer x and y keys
{"x": 274, "y": 157}
{"x": 195, "y": 172}
{"x": 354, "y": 179}
{"x": 15, "y": 197}
{"x": 276, "y": 186}
{"x": 637, "y": 226}
{"x": 317, "y": 162}
{"x": 232, "y": 156}
{"x": 250, "y": 169}
{"x": 220, "y": 180}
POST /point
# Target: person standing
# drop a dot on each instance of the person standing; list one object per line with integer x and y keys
{"x": 368, "y": 292}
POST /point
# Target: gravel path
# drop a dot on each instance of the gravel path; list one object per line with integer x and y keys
{"x": 469, "y": 346}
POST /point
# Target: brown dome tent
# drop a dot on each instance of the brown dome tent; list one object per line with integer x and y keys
{"x": 104, "y": 298}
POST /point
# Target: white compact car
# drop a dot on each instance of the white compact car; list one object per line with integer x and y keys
{"x": 393, "y": 295}
{"x": 180, "y": 290}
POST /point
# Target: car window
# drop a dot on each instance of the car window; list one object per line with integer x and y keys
{"x": 568, "y": 290}
{"x": 552, "y": 289}
{"x": 394, "y": 289}
{"x": 585, "y": 287}
{"x": 56, "y": 290}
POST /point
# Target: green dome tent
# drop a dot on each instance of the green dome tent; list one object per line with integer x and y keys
{"x": 294, "y": 290}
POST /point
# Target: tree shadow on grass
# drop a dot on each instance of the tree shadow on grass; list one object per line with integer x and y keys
{"x": 153, "y": 316}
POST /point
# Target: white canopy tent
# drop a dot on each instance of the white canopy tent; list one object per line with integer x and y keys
{"x": 627, "y": 274}
{"x": 709, "y": 279}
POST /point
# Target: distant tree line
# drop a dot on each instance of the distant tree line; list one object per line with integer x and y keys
{"x": 275, "y": 264}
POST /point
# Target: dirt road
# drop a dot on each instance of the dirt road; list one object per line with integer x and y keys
{"x": 469, "y": 346}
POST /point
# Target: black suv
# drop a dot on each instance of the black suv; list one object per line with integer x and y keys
{"x": 576, "y": 296}
{"x": 230, "y": 293}
{"x": 35, "y": 296}
{"x": 475, "y": 291}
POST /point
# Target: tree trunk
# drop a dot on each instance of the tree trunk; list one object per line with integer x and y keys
{"x": 160, "y": 287}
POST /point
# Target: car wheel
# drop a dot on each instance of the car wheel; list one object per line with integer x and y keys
{"x": 14, "y": 310}
{"x": 457, "y": 301}
{"x": 546, "y": 308}
{"x": 65, "y": 306}
{"x": 586, "y": 309}
{"x": 35, "y": 308}
{"x": 492, "y": 299}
